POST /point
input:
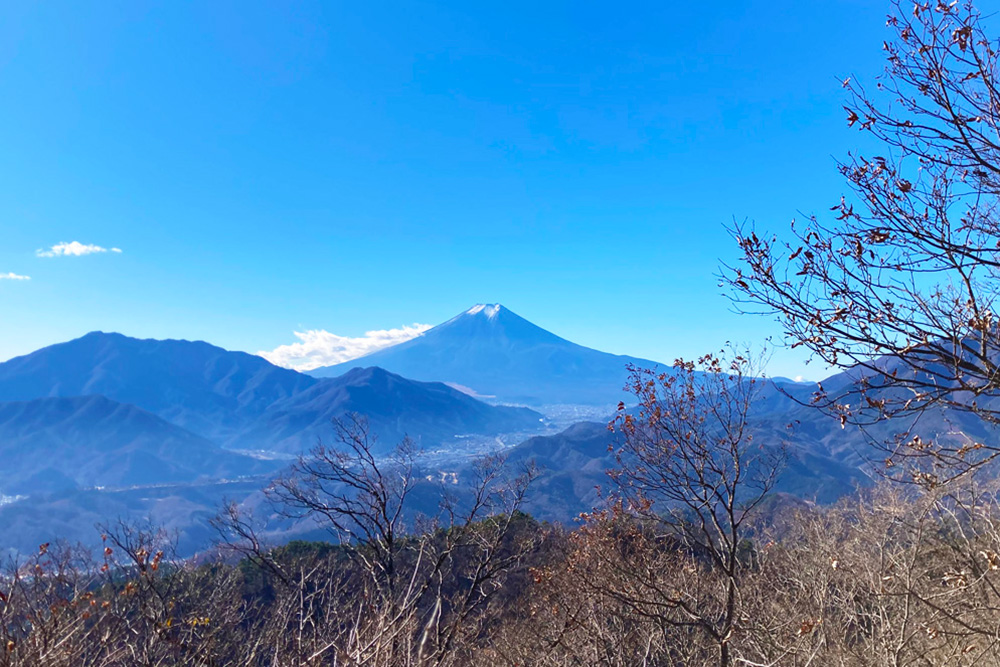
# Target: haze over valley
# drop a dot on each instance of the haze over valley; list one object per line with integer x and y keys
{"x": 108, "y": 426}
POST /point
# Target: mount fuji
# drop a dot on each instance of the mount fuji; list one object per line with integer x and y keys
{"x": 491, "y": 352}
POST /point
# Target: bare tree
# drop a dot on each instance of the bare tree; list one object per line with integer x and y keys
{"x": 359, "y": 498}
{"x": 901, "y": 284}
{"x": 690, "y": 470}
{"x": 418, "y": 591}
{"x": 132, "y": 605}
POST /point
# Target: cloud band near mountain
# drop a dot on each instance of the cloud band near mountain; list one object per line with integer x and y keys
{"x": 319, "y": 348}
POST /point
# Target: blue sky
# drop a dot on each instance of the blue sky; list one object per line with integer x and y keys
{"x": 266, "y": 169}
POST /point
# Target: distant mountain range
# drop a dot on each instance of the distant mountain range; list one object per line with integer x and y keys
{"x": 200, "y": 387}
{"x": 575, "y": 464}
{"x": 241, "y": 401}
{"x": 431, "y": 413}
{"x": 106, "y": 425}
{"x": 494, "y": 353}
{"x": 56, "y": 444}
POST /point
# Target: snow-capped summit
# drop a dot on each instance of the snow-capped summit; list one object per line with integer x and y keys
{"x": 495, "y": 352}
{"x": 490, "y": 310}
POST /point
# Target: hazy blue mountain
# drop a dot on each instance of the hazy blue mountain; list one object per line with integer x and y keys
{"x": 239, "y": 400}
{"x": 495, "y": 353}
{"x": 203, "y": 388}
{"x": 431, "y": 413}
{"x": 108, "y": 410}
{"x": 574, "y": 463}
{"x": 51, "y": 444}
{"x": 786, "y": 411}
{"x": 182, "y": 510}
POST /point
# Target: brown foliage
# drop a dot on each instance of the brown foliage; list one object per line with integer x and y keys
{"x": 901, "y": 284}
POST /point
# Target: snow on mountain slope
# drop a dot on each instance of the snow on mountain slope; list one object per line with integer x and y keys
{"x": 495, "y": 352}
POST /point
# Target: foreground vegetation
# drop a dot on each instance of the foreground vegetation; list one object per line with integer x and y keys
{"x": 887, "y": 579}
{"x": 693, "y": 560}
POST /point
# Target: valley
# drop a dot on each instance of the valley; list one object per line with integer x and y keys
{"x": 109, "y": 426}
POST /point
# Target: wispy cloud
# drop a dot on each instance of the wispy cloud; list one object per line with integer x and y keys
{"x": 321, "y": 348}
{"x": 13, "y": 276}
{"x": 74, "y": 249}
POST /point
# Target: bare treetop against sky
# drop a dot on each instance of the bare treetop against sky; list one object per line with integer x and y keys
{"x": 238, "y": 173}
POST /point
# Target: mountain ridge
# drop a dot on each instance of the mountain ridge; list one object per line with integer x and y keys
{"x": 495, "y": 352}
{"x": 201, "y": 387}
{"x": 395, "y": 408}
{"x": 242, "y": 401}
{"x": 55, "y": 443}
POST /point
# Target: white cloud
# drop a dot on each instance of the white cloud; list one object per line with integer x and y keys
{"x": 73, "y": 249}
{"x": 13, "y": 276}
{"x": 321, "y": 348}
